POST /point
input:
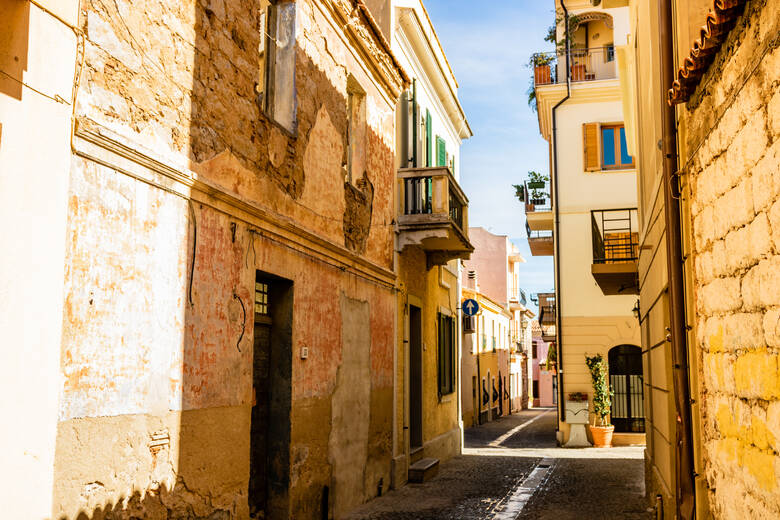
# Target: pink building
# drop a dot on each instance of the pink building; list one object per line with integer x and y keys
{"x": 494, "y": 271}
{"x": 543, "y": 380}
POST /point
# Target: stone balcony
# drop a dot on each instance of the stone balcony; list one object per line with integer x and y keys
{"x": 433, "y": 214}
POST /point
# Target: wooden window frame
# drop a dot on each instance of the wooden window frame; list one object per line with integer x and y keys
{"x": 618, "y": 155}
{"x": 447, "y": 373}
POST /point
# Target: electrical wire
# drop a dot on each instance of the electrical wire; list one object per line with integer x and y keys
{"x": 56, "y": 97}
{"x": 194, "y": 248}
{"x": 243, "y": 320}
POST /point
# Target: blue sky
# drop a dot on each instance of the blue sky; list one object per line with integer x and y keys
{"x": 488, "y": 45}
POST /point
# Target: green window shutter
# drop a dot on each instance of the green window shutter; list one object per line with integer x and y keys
{"x": 428, "y": 139}
{"x": 441, "y": 152}
{"x": 452, "y": 166}
{"x": 440, "y": 363}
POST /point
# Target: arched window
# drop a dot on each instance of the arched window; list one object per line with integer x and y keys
{"x": 625, "y": 377}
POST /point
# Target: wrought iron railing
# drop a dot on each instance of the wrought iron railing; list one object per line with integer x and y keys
{"x": 587, "y": 64}
{"x": 614, "y": 235}
{"x": 419, "y": 195}
{"x": 434, "y": 191}
{"x": 537, "y": 196}
{"x": 548, "y": 234}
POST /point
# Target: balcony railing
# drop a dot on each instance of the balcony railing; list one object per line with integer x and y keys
{"x": 615, "y": 250}
{"x": 615, "y": 236}
{"x": 591, "y": 64}
{"x": 537, "y": 196}
{"x": 433, "y": 213}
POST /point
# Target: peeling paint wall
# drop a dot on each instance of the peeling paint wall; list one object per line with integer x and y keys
{"x": 180, "y": 189}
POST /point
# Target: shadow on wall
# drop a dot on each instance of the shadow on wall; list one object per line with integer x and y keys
{"x": 14, "y": 30}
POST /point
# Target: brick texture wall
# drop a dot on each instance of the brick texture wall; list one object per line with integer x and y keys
{"x": 733, "y": 157}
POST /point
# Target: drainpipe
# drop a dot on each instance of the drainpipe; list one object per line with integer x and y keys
{"x": 685, "y": 489}
{"x": 557, "y": 236}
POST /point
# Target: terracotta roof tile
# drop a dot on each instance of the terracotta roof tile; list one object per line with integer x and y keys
{"x": 716, "y": 27}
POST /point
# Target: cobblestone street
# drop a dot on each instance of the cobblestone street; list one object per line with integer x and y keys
{"x": 511, "y": 468}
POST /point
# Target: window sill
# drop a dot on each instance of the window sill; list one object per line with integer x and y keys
{"x": 446, "y": 398}
{"x": 614, "y": 170}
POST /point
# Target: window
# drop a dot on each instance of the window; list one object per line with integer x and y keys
{"x": 356, "y": 131}
{"x": 609, "y": 52}
{"x": 536, "y": 390}
{"x": 533, "y": 351}
{"x": 614, "y": 153}
{"x": 261, "y": 298}
{"x": 441, "y": 152}
{"x": 276, "y": 62}
{"x": 446, "y": 354}
{"x": 605, "y": 148}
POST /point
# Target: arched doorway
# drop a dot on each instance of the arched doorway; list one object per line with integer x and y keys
{"x": 625, "y": 377}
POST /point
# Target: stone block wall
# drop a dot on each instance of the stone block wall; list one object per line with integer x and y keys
{"x": 733, "y": 164}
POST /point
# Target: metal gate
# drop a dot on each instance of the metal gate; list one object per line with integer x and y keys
{"x": 625, "y": 377}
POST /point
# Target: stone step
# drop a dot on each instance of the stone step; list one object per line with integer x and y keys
{"x": 423, "y": 469}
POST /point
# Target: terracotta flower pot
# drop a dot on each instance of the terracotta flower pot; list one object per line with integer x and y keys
{"x": 602, "y": 435}
{"x": 542, "y": 75}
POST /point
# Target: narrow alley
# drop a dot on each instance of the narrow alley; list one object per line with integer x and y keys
{"x": 512, "y": 468}
{"x": 390, "y": 259}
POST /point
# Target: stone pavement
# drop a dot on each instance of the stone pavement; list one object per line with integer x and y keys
{"x": 512, "y": 469}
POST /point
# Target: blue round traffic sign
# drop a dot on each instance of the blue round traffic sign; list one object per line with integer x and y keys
{"x": 470, "y": 307}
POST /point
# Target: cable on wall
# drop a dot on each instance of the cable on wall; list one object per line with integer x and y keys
{"x": 243, "y": 320}
{"x": 194, "y": 248}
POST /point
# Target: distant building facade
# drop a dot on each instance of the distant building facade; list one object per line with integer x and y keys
{"x": 495, "y": 368}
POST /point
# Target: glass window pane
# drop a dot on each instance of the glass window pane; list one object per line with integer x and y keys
{"x": 624, "y": 157}
{"x": 608, "y": 146}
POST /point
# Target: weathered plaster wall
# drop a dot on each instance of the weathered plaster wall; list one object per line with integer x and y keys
{"x": 732, "y": 156}
{"x": 180, "y": 80}
{"x": 161, "y": 254}
{"x": 37, "y": 49}
{"x": 436, "y": 288}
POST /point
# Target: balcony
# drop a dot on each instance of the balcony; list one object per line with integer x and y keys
{"x": 538, "y": 206}
{"x": 615, "y": 250}
{"x": 593, "y": 74}
{"x": 540, "y": 242}
{"x": 434, "y": 214}
{"x": 591, "y": 64}
{"x": 547, "y": 315}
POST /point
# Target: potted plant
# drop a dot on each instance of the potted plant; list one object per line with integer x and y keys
{"x": 536, "y": 183}
{"x": 552, "y": 358}
{"x": 541, "y": 65}
{"x": 602, "y": 402}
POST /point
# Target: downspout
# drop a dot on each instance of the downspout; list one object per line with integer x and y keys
{"x": 557, "y": 236}
{"x": 479, "y": 386}
{"x": 685, "y": 489}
